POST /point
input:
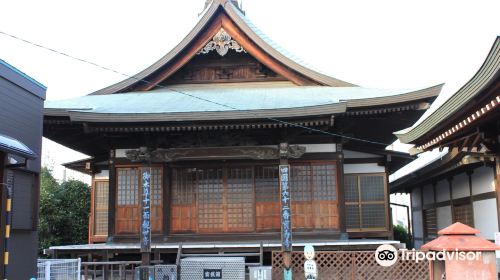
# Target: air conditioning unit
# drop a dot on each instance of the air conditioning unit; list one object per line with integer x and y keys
{"x": 209, "y": 268}
{"x": 157, "y": 272}
{"x": 165, "y": 272}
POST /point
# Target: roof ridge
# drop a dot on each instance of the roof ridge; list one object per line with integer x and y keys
{"x": 242, "y": 22}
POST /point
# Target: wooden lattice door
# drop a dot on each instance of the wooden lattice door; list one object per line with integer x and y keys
{"x": 240, "y": 205}
{"x": 210, "y": 200}
{"x": 225, "y": 200}
{"x": 128, "y": 203}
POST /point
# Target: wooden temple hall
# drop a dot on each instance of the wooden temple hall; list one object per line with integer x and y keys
{"x": 213, "y": 119}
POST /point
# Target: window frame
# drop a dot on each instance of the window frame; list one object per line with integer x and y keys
{"x": 94, "y": 208}
{"x": 359, "y": 203}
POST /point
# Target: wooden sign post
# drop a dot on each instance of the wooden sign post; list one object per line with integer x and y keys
{"x": 286, "y": 220}
{"x": 146, "y": 217}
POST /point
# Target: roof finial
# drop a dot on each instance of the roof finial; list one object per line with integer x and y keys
{"x": 207, "y": 4}
{"x": 238, "y": 4}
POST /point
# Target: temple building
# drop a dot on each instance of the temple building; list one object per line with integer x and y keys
{"x": 213, "y": 119}
{"x": 459, "y": 181}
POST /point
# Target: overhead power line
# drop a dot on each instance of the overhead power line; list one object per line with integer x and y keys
{"x": 190, "y": 95}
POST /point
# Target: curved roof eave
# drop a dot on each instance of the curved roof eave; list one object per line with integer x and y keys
{"x": 339, "y": 107}
{"x": 242, "y": 23}
{"x": 82, "y": 116}
{"x": 490, "y": 69}
{"x": 430, "y": 92}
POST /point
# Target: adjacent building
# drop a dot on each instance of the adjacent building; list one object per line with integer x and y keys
{"x": 212, "y": 120}
{"x": 459, "y": 181}
{"x": 21, "y": 111}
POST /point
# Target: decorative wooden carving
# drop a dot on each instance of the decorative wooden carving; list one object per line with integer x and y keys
{"x": 169, "y": 155}
{"x": 233, "y": 67}
{"x": 221, "y": 43}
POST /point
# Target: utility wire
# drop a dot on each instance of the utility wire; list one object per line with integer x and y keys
{"x": 190, "y": 95}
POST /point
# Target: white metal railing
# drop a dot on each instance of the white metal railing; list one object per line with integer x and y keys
{"x": 59, "y": 269}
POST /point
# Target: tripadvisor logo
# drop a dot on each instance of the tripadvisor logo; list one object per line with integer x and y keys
{"x": 387, "y": 255}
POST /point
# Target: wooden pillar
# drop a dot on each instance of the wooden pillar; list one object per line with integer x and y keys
{"x": 496, "y": 171}
{"x": 341, "y": 198}
{"x": 167, "y": 199}
{"x": 112, "y": 196}
{"x": 450, "y": 184}
{"x": 388, "y": 208}
{"x": 471, "y": 201}
{"x": 145, "y": 226}
{"x": 424, "y": 227}
{"x": 286, "y": 213}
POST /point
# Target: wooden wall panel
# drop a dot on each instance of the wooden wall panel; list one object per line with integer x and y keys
{"x": 326, "y": 215}
{"x": 267, "y": 216}
{"x": 183, "y": 219}
{"x": 302, "y": 215}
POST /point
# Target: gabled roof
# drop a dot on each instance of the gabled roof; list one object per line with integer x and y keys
{"x": 21, "y": 79}
{"x": 224, "y": 14}
{"x": 453, "y": 108}
{"x": 230, "y": 101}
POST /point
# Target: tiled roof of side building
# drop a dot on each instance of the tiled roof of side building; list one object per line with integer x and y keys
{"x": 489, "y": 72}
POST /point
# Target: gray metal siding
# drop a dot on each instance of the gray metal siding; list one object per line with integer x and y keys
{"x": 21, "y": 115}
{"x": 21, "y": 118}
{"x": 23, "y": 193}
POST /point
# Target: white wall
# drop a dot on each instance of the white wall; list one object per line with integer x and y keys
{"x": 460, "y": 185}
{"x": 363, "y": 168}
{"x": 486, "y": 217}
{"x": 103, "y": 175}
{"x": 355, "y": 154}
{"x": 482, "y": 180}
{"x": 443, "y": 215}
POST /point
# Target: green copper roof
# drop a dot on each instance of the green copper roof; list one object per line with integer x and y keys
{"x": 243, "y": 101}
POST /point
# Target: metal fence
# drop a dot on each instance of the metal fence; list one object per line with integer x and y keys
{"x": 58, "y": 269}
{"x": 352, "y": 265}
{"x": 117, "y": 270}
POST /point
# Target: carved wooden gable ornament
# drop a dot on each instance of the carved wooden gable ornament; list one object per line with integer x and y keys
{"x": 222, "y": 43}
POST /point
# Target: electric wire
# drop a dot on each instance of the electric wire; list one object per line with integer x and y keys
{"x": 190, "y": 95}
